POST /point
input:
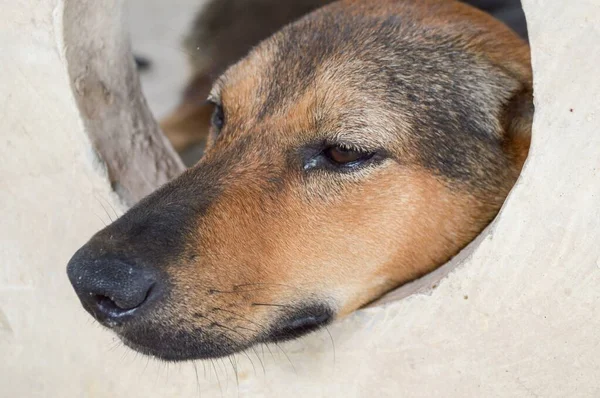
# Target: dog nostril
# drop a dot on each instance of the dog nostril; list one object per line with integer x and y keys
{"x": 111, "y": 311}
{"x": 126, "y": 303}
{"x": 112, "y": 290}
{"x": 107, "y": 304}
{"x": 114, "y": 310}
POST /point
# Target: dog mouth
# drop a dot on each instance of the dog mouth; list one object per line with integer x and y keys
{"x": 179, "y": 345}
{"x": 302, "y": 321}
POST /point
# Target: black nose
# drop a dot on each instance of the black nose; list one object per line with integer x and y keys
{"x": 113, "y": 290}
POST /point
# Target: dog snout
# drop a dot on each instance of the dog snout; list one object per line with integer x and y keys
{"x": 113, "y": 290}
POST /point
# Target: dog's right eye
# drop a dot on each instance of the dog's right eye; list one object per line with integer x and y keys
{"x": 340, "y": 158}
{"x": 218, "y": 116}
{"x": 345, "y": 156}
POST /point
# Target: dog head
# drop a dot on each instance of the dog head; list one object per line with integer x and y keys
{"x": 351, "y": 152}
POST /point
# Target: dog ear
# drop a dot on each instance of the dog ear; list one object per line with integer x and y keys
{"x": 517, "y": 121}
{"x": 189, "y": 123}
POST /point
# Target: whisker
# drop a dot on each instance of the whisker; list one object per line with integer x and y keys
{"x": 217, "y": 376}
{"x": 271, "y": 305}
{"x": 288, "y": 358}
{"x": 218, "y": 324}
{"x": 234, "y": 366}
{"x": 104, "y": 208}
{"x": 197, "y": 379}
{"x": 147, "y": 363}
{"x": 124, "y": 355}
{"x": 115, "y": 344}
{"x": 100, "y": 218}
{"x": 136, "y": 356}
{"x": 230, "y": 329}
{"x": 267, "y": 284}
{"x": 251, "y": 362}
{"x": 239, "y": 316}
{"x": 213, "y": 291}
{"x": 111, "y": 206}
{"x": 332, "y": 345}
{"x": 245, "y": 328}
{"x": 224, "y": 365}
{"x": 259, "y": 360}
{"x": 270, "y": 352}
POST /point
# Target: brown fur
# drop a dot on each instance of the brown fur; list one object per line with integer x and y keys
{"x": 250, "y": 239}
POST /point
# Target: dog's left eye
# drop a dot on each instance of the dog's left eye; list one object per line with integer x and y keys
{"x": 218, "y": 117}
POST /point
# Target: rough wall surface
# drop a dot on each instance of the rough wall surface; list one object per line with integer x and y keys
{"x": 516, "y": 314}
{"x": 107, "y": 92}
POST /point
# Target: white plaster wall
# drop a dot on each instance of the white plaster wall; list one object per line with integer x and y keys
{"x": 516, "y": 314}
{"x": 157, "y": 28}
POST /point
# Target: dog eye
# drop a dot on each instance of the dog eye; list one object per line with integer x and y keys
{"x": 218, "y": 116}
{"x": 339, "y": 157}
{"x": 348, "y": 157}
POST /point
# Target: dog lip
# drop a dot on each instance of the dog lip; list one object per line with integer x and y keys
{"x": 303, "y": 321}
{"x": 179, "y": 344}
{"x": 172, "y": 348}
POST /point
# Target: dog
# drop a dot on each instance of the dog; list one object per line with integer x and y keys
{"x": 354, "y": 150}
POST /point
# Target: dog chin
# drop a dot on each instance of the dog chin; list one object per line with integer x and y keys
{"x": 183, "y": 347}
{"x": 176, "y": 346}
{"x": 303, "y": 320}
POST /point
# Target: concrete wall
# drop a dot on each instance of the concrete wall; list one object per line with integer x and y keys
{"x": 516, "y": 314}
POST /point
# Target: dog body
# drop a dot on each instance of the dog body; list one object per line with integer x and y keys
{"x": 354, "y": 150}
